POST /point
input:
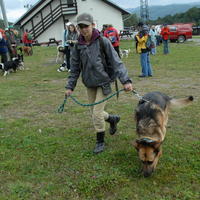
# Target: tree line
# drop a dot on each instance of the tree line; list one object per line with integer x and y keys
{"x": 190, "y": 16}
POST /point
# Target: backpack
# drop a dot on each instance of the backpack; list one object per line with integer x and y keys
{"x": 112, "y": 36}
{"x": 149, "y": 43}
{"x": 108, "y": 68}
{"x": 29, "y": 36}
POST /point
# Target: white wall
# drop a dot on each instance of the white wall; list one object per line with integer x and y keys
{"x": 54, "y": 31}
{"x": 101, "y": 12}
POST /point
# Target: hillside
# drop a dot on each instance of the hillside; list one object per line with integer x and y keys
{"x": 162, "y": 11}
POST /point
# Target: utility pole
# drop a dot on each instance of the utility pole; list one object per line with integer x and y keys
{"x": 144, "y": 10}
{"x": 4, "y": 14}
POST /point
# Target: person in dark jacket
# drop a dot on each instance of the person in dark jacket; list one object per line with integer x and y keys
{"x": 11, "y": 39}
{"x": 3, "y": 49}
{"x": 87, "y": 60}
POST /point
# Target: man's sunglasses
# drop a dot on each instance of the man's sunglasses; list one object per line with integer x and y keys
{"x": 81, "y": 26}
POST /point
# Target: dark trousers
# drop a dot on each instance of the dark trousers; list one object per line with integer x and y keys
{"x": 4, "y": 57}
{"x": 67, "y": 56}
{"x": 117, "y": 50}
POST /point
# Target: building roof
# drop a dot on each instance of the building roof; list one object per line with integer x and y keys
{"x": 36, "y": 5}
{"x": 124, "y": 12}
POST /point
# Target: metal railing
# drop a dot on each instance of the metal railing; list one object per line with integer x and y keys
{"x": 47, "y": 21}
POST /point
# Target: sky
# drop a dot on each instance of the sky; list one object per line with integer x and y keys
{"x": 15, "y": 8}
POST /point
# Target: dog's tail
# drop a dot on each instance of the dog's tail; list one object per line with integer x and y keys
{"x": 179, "y": 103}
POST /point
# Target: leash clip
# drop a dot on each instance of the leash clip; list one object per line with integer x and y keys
{"x": 138, "y": 96}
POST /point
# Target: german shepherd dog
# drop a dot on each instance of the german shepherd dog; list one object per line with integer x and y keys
{"x": 151, "y": 117}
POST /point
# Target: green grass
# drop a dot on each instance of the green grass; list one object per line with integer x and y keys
{"x": 46, "y": 155}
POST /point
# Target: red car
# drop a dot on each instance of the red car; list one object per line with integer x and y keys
{"x": 180, "y": 32}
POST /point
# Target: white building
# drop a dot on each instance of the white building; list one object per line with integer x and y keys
{"x": 46, "y": 18}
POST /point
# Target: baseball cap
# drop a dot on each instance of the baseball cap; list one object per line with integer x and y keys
{"x": 85, "y": 18}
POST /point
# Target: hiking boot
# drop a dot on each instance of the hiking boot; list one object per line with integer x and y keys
{"x": 113, "y": 120}
{"x": 99, "y": 147}
{"x": 142, "y": 76}
{"x": 100, "y": 142}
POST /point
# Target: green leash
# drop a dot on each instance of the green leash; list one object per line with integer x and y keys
{"x": 61, "y": 108}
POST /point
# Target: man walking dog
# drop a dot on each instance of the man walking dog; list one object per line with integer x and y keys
{"x": 88, "y": 59}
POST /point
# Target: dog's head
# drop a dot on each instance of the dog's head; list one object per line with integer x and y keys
{"x": 20, "y": 57}
{"x": 19, "y": 60}
{"x": 149, "y": 152}
{"x": 60, "y": 48}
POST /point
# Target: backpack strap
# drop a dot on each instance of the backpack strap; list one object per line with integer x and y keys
{"x": 105, "y": 61}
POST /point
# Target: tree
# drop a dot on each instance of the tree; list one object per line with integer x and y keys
{"x": 130, "y": 20}
{"x": 191, "y": 16}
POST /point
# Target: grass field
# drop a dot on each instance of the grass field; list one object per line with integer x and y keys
{"x": 46, "y": 155}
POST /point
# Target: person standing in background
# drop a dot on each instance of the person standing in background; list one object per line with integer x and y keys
{"x": 71, "y": 40}
{"x": 11, "y": 40}
{"x": 65, "y": 44}
{"x": 165, "y": 38}
{"x": 112, "y": 34}
{"x": 152, "y": 34}
{"x": 141, "y": 48}
{"x": 27, "y": 38}
{"x": 3, "y": 49}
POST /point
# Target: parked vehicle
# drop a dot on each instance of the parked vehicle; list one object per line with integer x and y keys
{"x": 196, "y": 30}
{"x": 180, "y": 32}
{"x": 125, "y": 32}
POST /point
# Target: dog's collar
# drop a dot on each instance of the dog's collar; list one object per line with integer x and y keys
{"x": 148, "y": 140}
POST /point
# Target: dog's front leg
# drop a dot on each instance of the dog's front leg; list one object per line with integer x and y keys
{"x": 157, "y": 158}
{"x": 5, "y": 73}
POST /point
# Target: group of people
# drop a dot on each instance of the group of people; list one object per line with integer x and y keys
{"x": 9, "y": 43}
{"x": 146, "y": 42}
{"x": 97, "y": 60}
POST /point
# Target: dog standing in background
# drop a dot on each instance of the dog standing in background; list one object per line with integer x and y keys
{"x": 124, "y": 52}
{"x": 151, "y": 117}
{"x": 27, "y": 50}
{"x": 60, "y": 54}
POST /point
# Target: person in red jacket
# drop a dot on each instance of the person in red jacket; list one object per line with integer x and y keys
{"x": 27, "y": 38}
{"x": 112, "y": 34}
{"x": 165, "y": 38}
